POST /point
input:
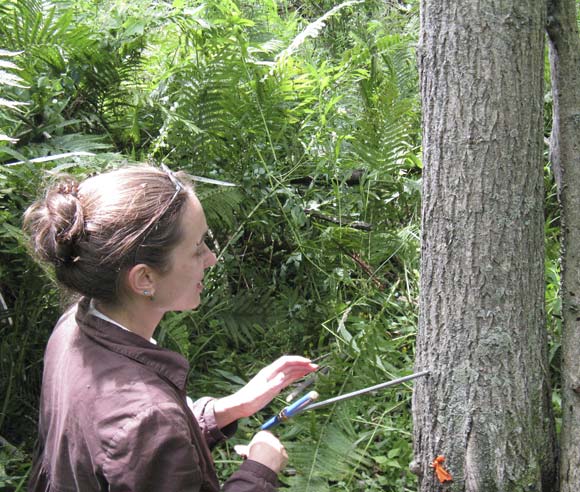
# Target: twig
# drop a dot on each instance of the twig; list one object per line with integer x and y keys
{"x": 366, "y": 268}
{"x": 356, "y": 224}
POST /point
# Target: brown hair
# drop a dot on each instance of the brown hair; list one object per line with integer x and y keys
{"x": 93, "y": 231}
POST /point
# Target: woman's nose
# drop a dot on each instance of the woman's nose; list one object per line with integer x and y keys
{"x": 211, "y": 259}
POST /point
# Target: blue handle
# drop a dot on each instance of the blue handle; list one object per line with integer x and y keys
{"x": 290, "y": 410}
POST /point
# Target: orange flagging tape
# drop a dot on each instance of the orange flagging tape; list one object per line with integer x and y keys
{"x": 442, "y": 474}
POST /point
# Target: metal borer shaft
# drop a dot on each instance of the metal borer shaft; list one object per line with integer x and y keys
{"x": 346, "y": 396}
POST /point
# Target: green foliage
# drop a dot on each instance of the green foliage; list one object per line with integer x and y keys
{"x": 8, "y": 79}
{"x": 315, "y": 119}
{"x": 26, "y": 302}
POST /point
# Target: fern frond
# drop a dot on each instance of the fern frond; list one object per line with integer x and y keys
{"x": 312, "y": 30}
{"x": 238, "y": 316}
{"x": 8, "y": 53}
{"x": 34, "y": 22}
{"x": 12, "y": 104}
{"x": 220, "y": 205}
{"x": 328, "y": 459}
{"x": 74, "y": 142}
{"x": 10, "y": 79}
{"x": 174, "y": 333}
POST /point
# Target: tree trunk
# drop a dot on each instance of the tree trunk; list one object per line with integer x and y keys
{"x": 486, "y": 406}
{"x": 565, "y": 155}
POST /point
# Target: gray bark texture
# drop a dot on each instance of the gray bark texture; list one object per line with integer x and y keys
{"x": 486, "y": 406}
{"x": 564, "y": 44}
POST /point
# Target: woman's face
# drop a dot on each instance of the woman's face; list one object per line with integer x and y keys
{"x": 179, "y": 289}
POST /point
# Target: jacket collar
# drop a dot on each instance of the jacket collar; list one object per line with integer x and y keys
{"x": 166, "y": 363}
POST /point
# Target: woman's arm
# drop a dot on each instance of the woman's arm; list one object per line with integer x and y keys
{"x": 261, "y": 389}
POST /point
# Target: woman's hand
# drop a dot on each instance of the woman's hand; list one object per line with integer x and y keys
{"x": 262, "y": 388}
{"x": 265, "y": 448}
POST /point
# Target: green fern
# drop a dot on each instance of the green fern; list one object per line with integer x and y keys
{"x": 201, "y": 88}
{"x": 221, "y": 206}
{"x": 329, "y": 459}
{"x": 8, "y": 79}
{"x": 174, "y": 333}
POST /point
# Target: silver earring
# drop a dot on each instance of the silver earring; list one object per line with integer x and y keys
{"x": 146, "y": 293}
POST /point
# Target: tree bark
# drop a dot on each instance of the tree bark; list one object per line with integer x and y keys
{"x": 486, "y": 406}
{"x": 564, "y": 44}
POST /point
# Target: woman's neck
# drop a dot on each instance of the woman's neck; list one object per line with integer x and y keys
{"x": 137, "y": 316}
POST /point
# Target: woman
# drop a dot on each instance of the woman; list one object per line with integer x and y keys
{"x": 114, "y": 414}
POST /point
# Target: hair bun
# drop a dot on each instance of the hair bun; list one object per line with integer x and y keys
{"x": 67, "y": 212}
{"x": 68, "y": 220}
{"x": 57, "y": 223}
{"x": 68, "y": 187}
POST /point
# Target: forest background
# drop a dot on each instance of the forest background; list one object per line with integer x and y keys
{"x": 312, "y": 110}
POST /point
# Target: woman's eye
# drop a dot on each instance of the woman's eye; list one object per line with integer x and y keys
{"x": 200, "y": 249}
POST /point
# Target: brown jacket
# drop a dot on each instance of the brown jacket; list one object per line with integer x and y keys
{"x": 114, "y": 417}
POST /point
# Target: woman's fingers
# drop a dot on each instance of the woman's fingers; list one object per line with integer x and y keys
{"x": 287, "y": 361}
{"x": 291, "y": 366}
{"x": 268, "y": 383}
{"x": 242, "y": 450}
{"x": 265, "y": 448}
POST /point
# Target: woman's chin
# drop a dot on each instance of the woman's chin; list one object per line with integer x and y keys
{"x": 194, "y": 304}
{"x": 188, "y": 305}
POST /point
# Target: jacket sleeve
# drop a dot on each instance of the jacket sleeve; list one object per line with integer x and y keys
{"x": 252, "y": 477}
{"x": 153, "y": 452}
{"x": 203, "y": 411}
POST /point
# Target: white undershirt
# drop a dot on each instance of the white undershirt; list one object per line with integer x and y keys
{"x": 95, "y": 312}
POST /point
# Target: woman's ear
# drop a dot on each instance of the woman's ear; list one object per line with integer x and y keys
{"x": 141, "y": 281}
